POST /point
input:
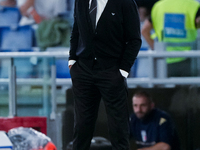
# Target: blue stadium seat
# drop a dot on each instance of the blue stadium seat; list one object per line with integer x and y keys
{"x": 70, "y": 7}
{"x": 15, "y": 38}
{"x": 24, "y": 68}
{"x": 9, "y": 16}
{"x": 62, "y": 70}
{"x": 19, "y": 38}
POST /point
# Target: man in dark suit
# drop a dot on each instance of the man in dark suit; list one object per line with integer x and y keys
{"x": 103, "y": 49}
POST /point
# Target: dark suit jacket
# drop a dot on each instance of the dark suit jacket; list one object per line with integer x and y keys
{"x": 116, "y": 39}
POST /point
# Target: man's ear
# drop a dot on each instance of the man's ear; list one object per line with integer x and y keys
{"x": 198, "y": 22}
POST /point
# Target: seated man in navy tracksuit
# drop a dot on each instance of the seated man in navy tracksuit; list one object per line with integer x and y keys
{"x": 151, "y": 128}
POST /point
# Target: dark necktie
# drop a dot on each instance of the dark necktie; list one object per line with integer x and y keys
{"x": 93, "y": 12}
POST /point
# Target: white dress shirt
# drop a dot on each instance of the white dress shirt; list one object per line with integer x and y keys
{"x": 101, "y": 4}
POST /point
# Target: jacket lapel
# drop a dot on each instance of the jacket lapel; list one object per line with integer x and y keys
{"x": 83, "y": 13}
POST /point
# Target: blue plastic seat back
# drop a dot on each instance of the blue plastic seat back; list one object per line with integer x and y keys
{"x": 9, "y": 16}
{"x": 70, "y": 7}
{"x": 16, "y": 38}
{"x": 62, "y": 70}
{"x": 24, "y": 68}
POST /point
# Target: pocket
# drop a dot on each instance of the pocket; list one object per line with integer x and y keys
{"x": 73, "y": 66}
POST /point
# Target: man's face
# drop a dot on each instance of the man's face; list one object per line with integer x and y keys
{"x": 141, "y": 106}
{"x": 142, "y": 13}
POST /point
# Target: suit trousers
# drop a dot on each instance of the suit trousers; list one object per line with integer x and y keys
{"x": 90, "y": 85}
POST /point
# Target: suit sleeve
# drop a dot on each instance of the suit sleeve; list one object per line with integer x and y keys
{"x": 132, "y": 34}
{"x": 74, "y": 38}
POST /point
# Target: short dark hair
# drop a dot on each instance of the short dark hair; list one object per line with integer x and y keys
{"x": 143, "y": 93}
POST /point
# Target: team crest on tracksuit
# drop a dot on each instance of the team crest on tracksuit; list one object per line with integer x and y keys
{"x": 144, "y": 135}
